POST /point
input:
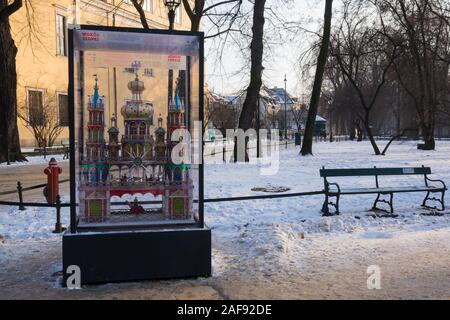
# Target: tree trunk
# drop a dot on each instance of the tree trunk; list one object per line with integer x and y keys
{"x": 141, "y": 14}
{"x": 9, "y": 133}
{"x": 317, "y": 88}
{"x": 257, "y": 48}
{"x": 428, "y": 138}
{"x": 195, "y": 23}
{"x": 371, "y": 138}
{"x": 195, "y": 14}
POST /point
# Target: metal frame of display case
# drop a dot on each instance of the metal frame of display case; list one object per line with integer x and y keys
{"x": 161, "y": 252}
{"x": 200, "y": 35}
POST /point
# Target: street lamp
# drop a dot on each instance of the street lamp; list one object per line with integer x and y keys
{"x": 329, "y": 107}
{"x": 273, "y": 117}
{"x": 171, "y": 5}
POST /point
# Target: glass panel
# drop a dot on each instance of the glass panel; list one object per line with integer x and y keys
{"x": 137, "y": 106}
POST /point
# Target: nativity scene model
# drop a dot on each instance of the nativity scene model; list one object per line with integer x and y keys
{"x": 136, "y": 193}
{"x": 136, "y": 163}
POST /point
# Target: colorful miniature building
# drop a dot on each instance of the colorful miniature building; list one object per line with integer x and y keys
{"x": 94, "y": 194}
{"x": 138, "y": 164}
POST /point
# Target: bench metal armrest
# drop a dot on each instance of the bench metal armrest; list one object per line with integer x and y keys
{"x": 334, "y": 184}
{"x": 439, "y": 181}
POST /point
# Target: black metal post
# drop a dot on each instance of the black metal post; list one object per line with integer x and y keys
{"x": 331, "y": 127}
{"x": 258, "y": 128}
{"x": 19, "y": 190}
{"x": 58, "y": 225}
{"x": 171, "y": 15}
{"x": 285, "y": 110}
{"x": 273, "y": 121}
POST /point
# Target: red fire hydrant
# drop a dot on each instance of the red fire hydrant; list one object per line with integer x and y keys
{"x": 51, "y": 191}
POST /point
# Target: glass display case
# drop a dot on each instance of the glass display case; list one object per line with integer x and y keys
{"x": 136, "y": 99}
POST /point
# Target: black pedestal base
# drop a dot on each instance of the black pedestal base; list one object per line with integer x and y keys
{"x": 138, "y": 255}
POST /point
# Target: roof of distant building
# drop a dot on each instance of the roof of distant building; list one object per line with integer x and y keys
{"x": 320, "y": 119}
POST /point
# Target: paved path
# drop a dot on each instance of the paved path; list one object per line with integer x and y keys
{"x": 29, "y": 175}
{"x": 414, "y": 266}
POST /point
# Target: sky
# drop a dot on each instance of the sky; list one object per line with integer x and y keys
{"x": 230, "y": 76}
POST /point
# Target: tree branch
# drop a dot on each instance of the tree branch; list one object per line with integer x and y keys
{"x": 138, "y": 6}
{"x": 10, "y": 9}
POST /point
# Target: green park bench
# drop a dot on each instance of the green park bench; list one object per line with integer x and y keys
{"x": 333, "y": 190}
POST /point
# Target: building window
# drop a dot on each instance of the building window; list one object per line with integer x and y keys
{"x": 147, "y": 5}
{"x": 63, "y": 109}
{"x": 178, "y": 15}
{"x": 35, "y": 107}
{"x": 61, "y": 27}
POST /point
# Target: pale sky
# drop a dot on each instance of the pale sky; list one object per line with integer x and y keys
{"x": 284, "y": 59}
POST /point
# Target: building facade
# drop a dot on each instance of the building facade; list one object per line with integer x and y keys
{"x": 40, "y": 33}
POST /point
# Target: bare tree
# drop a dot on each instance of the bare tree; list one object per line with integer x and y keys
{"x": 195, "y": 14}
{"x": 365, "y": 56}
{"x": 250, "y": 105}
{"x": 299, "y": 114}
{"x": 423, "y": 32}
{"x": 223, "y": 116}
{"x": 9, "y": 133}
{"x": 138, "y": 6}
{"x": 43, "y": 124}
{"x": 317, "y": 87}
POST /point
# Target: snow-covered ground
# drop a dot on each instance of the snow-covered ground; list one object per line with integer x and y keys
{"x": 265, "y": 239}
{"x": 274, "y": 228}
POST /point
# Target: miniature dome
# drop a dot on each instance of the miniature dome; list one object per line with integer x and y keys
{"x": 136, "y": 86}
{"x": 136, "y": 109}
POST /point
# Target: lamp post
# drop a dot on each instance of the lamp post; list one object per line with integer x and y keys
{"x": 171, "y": 6}
{"x": 330, "y": 111}
{"x": 273, "y": 118}
{"x": 285, "y": 111}
{"x": 258, "y": 127}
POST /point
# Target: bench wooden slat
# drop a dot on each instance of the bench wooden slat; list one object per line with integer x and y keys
{"x": 374, "y": 172}
{"x": 386, "y": 190}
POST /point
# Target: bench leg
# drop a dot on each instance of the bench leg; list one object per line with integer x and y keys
{"x": 441, "y": 201}
{"x": 325, "y": 209}
{"x": 338, "y": 197}
{"x": 327, "y": 203}
{"x": 389, "y": 202}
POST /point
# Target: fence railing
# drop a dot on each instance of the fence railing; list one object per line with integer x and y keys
{"x": 21, "y": 204}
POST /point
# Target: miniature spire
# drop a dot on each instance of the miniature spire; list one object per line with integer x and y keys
{"x": 96, "y": 95}
{"x": 177, "y": 95}
{"x": 113, "y": 120}
{"x": 160, "y": 121}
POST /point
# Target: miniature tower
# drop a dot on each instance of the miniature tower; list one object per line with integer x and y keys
{"x": 138, "y": 117}
{"x": 160, "y": 146}
{"x": 94, "y": 195}
{"x": 178, "y": 200}
{"x": 113, "y": 145}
